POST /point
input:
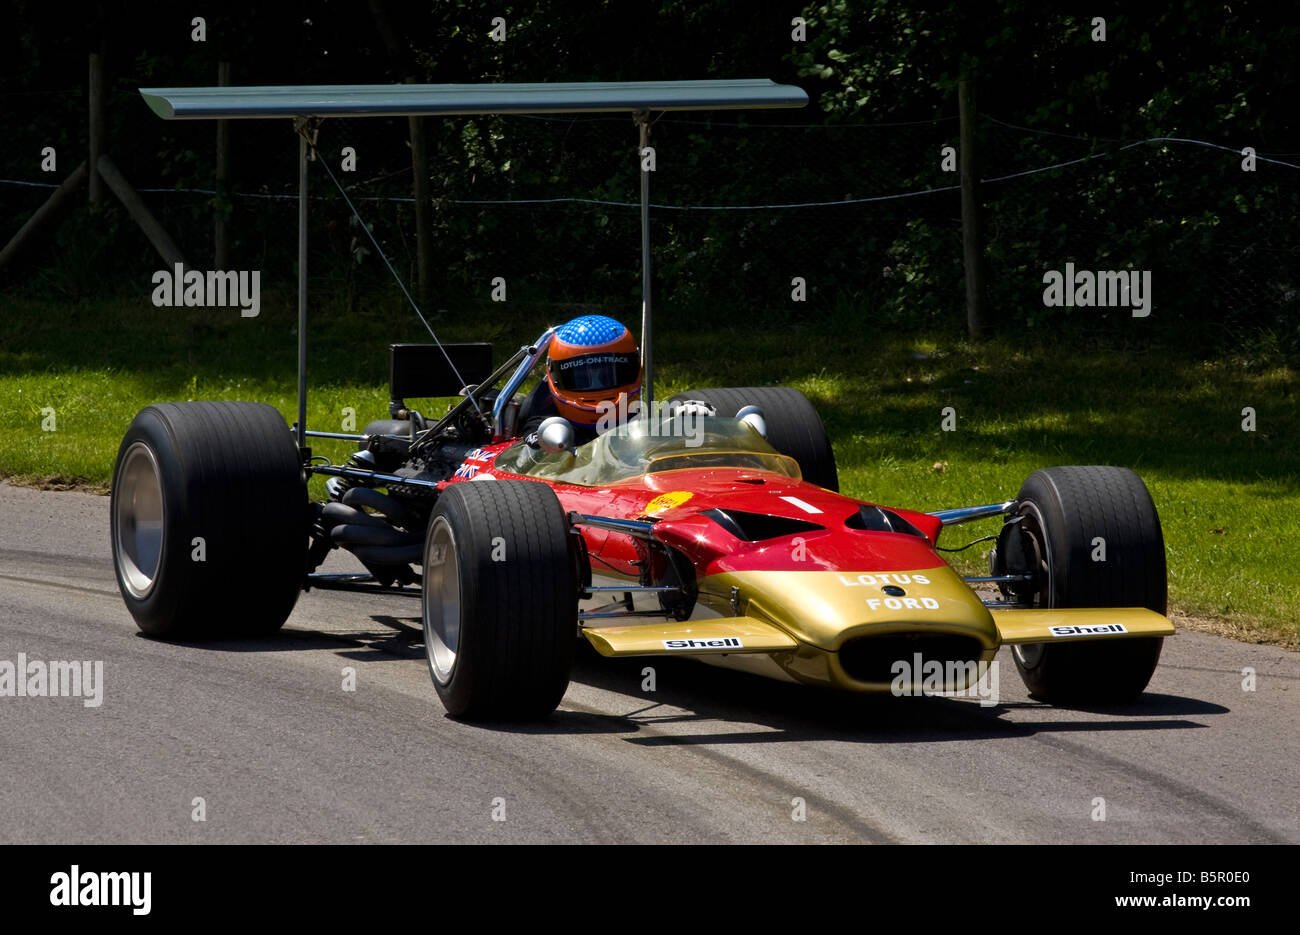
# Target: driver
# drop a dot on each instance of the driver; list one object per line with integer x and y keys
{"x": 592, "y": 364}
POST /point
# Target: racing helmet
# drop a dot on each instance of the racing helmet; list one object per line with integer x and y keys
{"x": 592, "y": 360}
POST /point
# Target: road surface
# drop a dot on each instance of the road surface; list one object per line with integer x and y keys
{"x": 263, "y": 741}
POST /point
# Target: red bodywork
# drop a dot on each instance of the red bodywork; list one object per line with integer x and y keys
{"x": 709, "y": 547}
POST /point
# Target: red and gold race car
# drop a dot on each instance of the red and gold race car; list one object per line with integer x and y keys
{"x": 709, "y": 525}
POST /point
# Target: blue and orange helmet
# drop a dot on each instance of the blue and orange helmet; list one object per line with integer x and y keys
{"x": 592, "y": 360}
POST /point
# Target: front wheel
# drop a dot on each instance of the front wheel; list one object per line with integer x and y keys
{"x": 500, "y": 600}
{"x": 1093, "y": 536}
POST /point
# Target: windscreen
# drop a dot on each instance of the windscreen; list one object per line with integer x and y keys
{"x": 649, "y": 447}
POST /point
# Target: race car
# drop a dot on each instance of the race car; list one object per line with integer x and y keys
{"x": 710, "y": 526}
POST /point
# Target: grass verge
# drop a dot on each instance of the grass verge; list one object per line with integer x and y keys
{"x": 1229, "y": 499}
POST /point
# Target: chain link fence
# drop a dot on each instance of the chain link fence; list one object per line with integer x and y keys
{"x": 866, "y": 215}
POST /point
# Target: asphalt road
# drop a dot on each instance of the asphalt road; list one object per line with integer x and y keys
{"x": 264, "y": 733}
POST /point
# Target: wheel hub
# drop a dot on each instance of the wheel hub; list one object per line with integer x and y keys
{"x": 138, "y": 518}
{"x": 441, "y": 600}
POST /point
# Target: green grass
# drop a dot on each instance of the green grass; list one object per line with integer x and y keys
{"x": 1229, "y": 500}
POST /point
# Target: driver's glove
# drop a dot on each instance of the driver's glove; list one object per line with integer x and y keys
{"x": 690, "y": 407}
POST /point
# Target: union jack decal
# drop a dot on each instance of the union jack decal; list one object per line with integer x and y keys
{"x": 475, "y": 461}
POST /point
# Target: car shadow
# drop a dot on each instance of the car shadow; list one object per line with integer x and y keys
{"x": 719, "y": 698}
{"x": 405, "y": 641}
{"x": 690, "y": 692}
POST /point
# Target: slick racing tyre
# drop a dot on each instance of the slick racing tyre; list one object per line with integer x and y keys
{"x": 793, "y": 426}
{"x": 1067, "y": 517}
{"x": 500, "y": 600}
{"x": 209, "y": 519}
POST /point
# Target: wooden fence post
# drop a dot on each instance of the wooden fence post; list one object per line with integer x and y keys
{"x": 135, "y": 206}
{"x": 44, "y": 213}
{"x": 972, "y": 239}
{"x": 220, "y": 246}
{"x": 96, "y": 86}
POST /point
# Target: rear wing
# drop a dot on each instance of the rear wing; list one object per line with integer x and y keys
{"x": 443, "y": 100}
{"x": 308, "y": 104}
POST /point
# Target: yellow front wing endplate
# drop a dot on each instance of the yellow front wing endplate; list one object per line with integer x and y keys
{"x": 690, "y": 638}
{"x": 1078, "y": 623}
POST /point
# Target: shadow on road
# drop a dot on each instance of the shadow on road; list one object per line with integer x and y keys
{"x": 716, "y": 699}
{"x": 405, "y": 641}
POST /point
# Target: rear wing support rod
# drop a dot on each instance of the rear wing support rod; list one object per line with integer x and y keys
{"x": 303, "y": 153}
{"x": 647, "y": 364}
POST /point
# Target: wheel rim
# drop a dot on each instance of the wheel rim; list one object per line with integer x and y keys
{"x": 138, "y": 521}
{"x": 1030, "y": 654}
{"x": 441, "y": 599}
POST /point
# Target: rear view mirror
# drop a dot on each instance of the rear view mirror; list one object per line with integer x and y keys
{"x": 555, "y": 435}
{"x": 753, "y": 417}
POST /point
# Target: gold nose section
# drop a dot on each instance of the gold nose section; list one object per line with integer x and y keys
{"x": 823, "y": 609}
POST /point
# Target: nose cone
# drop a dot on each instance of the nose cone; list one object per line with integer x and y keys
{"x": 824, "y": 608}
{"x": 852, "y": 625}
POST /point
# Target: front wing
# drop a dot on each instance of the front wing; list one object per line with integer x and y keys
{"x": 750, "y": 635}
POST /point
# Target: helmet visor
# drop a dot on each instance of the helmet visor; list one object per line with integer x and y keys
{"x": 604, "y": 370}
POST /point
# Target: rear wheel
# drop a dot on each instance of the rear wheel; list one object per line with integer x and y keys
{"x": 209, "y": 519}
{"x": 793, "y": 426}
{"x": 500, "y": 600}
{"x": 1093, "y": 536}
